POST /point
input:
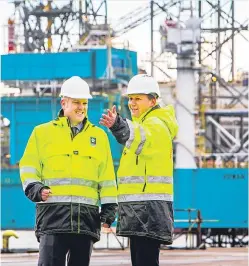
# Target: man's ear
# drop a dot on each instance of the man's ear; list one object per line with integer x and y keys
{"x": 153, "y": 101}
{"x": 63, "y": 103}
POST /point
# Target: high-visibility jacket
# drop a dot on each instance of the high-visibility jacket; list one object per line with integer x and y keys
{"x": 146, "y": 166}
{"x": 78, "y": 170}
{"x": 145, "y": 174}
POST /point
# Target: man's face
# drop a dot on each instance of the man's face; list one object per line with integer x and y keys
{"x": 139, "y": 104}
{"x": 74, "y": 109}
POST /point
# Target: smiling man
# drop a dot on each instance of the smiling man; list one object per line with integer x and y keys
{"x": 67, "y": 169}
{"x": 145, "y": 174}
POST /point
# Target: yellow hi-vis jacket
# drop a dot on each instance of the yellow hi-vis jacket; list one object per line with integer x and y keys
{"x": 77, "y": 170}
{"x": 146, "y": 167}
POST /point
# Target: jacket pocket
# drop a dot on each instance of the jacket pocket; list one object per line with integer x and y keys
{"x": 133, "y": 217}
{"x": 53, "y": 217}
{"x": 56, "y": 159}
{"x": 89, "y": 219}
{"x": 87, "y": 166}
{"x": 58, "y": 162}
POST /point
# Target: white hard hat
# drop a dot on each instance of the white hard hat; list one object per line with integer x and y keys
{"x": 143, "y": 84}
{"x": 75, "y": 88}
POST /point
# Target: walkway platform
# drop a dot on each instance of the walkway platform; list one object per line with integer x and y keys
{"x": 210, "y": 256}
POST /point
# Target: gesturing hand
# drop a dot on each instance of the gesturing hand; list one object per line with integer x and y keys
{"x": 108, "y": 119}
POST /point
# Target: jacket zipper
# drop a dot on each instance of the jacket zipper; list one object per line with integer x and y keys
{"x": 71, "y": 217}
{"x": 79, "y": 218}
{"x": 71, "y": 158}
{"x": 71, "y": 133}
{"x": 71, "y": 196}
{"x": 145, "y": 179}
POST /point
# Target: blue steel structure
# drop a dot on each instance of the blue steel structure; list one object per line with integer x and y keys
{"x": 89, "y": 64}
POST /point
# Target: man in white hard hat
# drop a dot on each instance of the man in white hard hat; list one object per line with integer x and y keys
{"x": 67, "y": 169}
{"x": 145, "y": 174}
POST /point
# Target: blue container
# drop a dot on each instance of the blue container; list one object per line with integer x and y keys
{"x": 220, "y": 194}
{"x": 91, "y": 64}
{"x": 17, "y": 211}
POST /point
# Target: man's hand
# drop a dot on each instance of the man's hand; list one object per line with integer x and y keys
{"x": 45, "y": 194}
{"x": 109, "y": 119}
{"x": 105, "y": 228}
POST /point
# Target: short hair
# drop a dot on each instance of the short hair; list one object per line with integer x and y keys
{"x": 152, "y": 96}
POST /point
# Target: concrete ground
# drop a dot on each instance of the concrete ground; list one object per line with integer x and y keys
{"x": 211, "y": 256}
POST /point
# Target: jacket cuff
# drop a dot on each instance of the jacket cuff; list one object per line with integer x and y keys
{"x": 108, "y": 213}
{"x": 116, "y": 123}
{"x": 33, "y": 191}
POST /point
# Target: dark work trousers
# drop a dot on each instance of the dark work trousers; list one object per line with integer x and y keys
{"x": 54, "y": 249}
{"x": 144, "y": 251}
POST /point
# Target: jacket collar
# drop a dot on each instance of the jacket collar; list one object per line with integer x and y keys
{"x": 63, "y": 121}
{"x": 143, "y": 116}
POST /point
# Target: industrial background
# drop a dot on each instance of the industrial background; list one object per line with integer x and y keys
{"x": 46, "y": 42}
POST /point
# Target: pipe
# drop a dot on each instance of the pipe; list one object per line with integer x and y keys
{"x": 6, "y": 235}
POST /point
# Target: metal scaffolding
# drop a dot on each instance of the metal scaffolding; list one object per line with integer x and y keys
{"x": 82, "y": 21}
{"x": 219, "y": 28}
{"x": 223, "y": 121}
{"x": 221, "y": 105}
{"x": 59, "y": 25}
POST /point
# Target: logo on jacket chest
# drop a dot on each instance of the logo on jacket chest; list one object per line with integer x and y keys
{"x": 93, "y": 141}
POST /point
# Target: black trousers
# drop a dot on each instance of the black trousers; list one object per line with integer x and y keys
{"x": 144, "y": 251}
{"x": 55, "y": 249}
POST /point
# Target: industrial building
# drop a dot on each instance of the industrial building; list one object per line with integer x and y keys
{"x": 49, "y": 41}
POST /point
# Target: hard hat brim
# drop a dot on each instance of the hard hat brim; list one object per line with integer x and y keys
{"x": 77, "y": 96}
{"x": 144, "y": 93}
